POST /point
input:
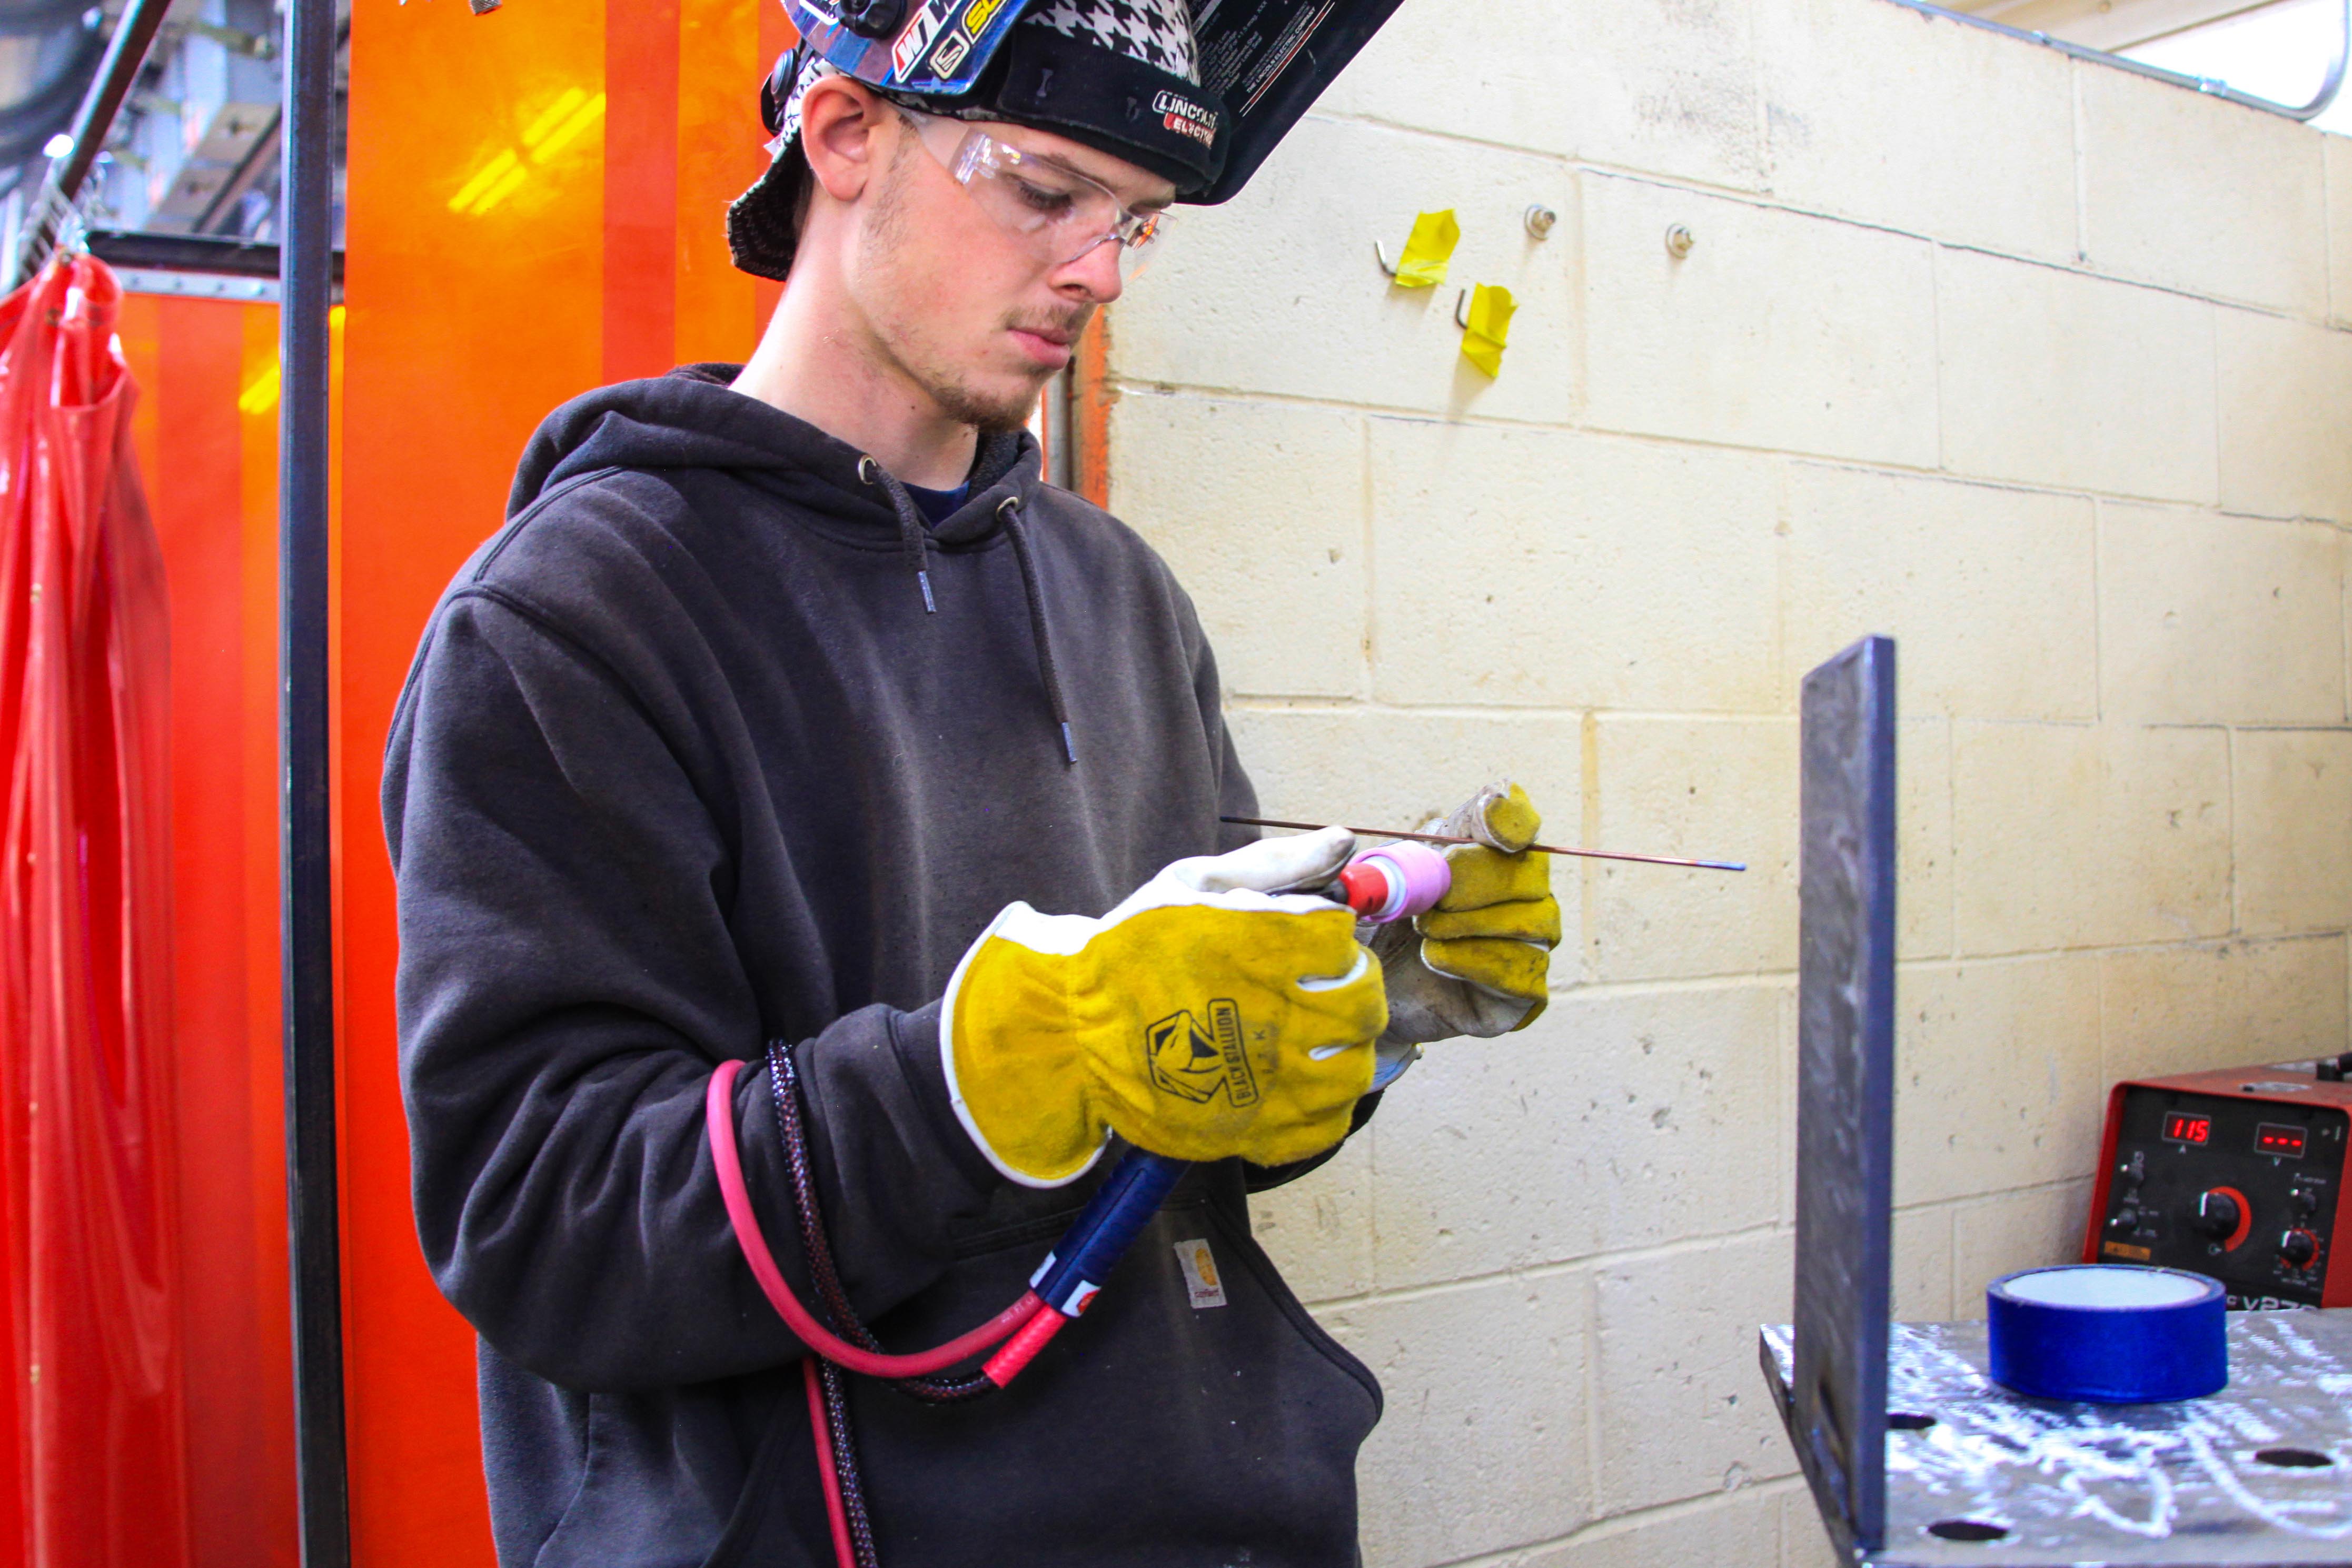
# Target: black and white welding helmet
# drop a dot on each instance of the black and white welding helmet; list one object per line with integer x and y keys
{"x": 1197, "y": 91}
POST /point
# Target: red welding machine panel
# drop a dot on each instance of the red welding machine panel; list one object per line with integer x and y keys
{"x": 2238, "y": 1175}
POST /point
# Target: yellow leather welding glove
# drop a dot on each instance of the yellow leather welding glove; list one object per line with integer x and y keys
{"x": 1480, "y": 962}
{"x": 1210, "y": 1014}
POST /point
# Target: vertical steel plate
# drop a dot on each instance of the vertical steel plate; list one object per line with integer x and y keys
{"x": 1846, "y": 1094}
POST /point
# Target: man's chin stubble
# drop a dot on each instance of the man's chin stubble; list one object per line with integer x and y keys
{"x": 992, "y": 416}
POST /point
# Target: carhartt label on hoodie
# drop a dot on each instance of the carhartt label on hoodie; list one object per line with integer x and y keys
{"x": 1201, "y": 1282}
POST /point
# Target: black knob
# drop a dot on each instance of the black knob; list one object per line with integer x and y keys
{"x": 2305, "y": 1202}
{"x": 873, "y": 18}
{"x": 2124, "y": 1221}
{"x": 2217, "y": 1216}
{"x": 2297, "y": 1248}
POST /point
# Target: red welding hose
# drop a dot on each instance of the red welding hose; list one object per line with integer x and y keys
{"x": 834, "y": 1513}
{"x": 719, "y": 1109}
{"x": 1022, "y": 1348}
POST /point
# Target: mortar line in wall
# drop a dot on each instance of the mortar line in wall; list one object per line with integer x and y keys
{"x": 1134, "y": 386}
{"x": 2230, "y": 784}
{"x": 1936, "y": 336}
{"x": 1608, "y": 1526}
{"x": 2262, "y": 727}
{"x": 2098, "y": 610}
{"x": 1249, "y": 702}
{"x": 2327, "y": 227}
{"x": 2080, "y": 267}
{"x": 1302, "y": 702}
{"x": 1574, "y": 163}
{"x": 1590, "y": 1334}
{"x": 1280, "y": 703}
{"x": 1951, "y": 1262}
{"x": 1759, "y": 78}
{"x": 1951, "y": 830}
{"x": 1566, "y": 162}
{"x": 2213, "y": 360}
{"x": 1783, "y": 548}
{"x": 1762, "y": 199}
{"x": 1588, "y": 819}
{"x": 2080, "y": 150}
{"x": 1681, "y": 1246}
{"x": 1366, "y": 657}
{"x": 1967, "y": 1200}
{"x": 1593, "y": 1263}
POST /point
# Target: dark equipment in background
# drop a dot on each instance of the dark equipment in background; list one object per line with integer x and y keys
{"x": 2236, "y": 1175}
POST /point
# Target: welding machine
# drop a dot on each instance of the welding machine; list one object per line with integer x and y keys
{"x": 2238, "y": 1175}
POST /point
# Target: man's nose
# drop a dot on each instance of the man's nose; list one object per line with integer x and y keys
{"x": 1094, "y": 275}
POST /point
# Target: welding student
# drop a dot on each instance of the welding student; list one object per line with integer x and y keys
{"x": 786, "y": 698}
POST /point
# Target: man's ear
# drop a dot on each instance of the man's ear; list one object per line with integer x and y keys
{"x": 839, "y": 118}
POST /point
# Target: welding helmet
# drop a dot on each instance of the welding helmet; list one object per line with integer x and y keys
{"x": 1196, "y": 91}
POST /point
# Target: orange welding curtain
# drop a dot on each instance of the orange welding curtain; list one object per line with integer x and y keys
{"x": 537, "y": 206}
{"x": 206, "y": 435}
{"x": 93, "y": 1430}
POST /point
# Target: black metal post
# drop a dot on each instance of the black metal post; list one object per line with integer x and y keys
{"x": 307, "y": 286}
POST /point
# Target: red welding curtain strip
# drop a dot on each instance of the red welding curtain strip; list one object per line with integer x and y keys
{"x": 92, "y": 1425}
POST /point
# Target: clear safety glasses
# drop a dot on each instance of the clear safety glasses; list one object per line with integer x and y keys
{"x": 1059, "y": 212}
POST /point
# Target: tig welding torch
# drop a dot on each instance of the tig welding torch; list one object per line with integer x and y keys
{"x": 1393, "y": 882}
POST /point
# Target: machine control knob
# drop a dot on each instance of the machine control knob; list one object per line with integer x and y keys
{"x": 2217, "y": 1216}
{"x": 2297, "y": 1248}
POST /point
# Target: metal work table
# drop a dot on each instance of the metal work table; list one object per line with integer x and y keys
{"x": 2229, "y": 1479}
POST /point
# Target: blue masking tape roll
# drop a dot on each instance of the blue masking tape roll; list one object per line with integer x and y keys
{"x": 2108, "y": 1333}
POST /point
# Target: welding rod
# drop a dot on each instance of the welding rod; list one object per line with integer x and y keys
{"x": 1539, "y": 848}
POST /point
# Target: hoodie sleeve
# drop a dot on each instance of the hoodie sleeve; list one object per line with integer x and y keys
{"x": 567, "y": 984}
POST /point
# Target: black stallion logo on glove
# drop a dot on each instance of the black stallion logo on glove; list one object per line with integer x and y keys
{"x": 1193, "y": 1063}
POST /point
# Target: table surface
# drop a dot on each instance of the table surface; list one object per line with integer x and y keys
{"x": 2178, "y": 1484}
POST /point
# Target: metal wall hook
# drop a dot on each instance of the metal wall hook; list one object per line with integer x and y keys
{"x": 1462, "y": 310}
{"x": 1382, "y": 256}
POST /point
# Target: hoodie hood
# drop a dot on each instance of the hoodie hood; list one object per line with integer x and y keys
{"x": 692, "y": 418}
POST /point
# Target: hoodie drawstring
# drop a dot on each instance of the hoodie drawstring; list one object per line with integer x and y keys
{"x": 1010, "y": 512}
{"x": 911, "y": 531}
{"x": 917, "y": 540}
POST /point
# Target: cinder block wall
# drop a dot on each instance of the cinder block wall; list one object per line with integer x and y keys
{"x": 2040, "y": 367}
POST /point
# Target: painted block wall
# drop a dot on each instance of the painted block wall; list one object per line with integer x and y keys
{"x": 2040, "y": 367}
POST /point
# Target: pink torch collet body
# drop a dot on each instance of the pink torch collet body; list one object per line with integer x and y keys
{"x": 1396, "y": 881}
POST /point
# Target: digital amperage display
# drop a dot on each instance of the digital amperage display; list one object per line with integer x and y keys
{"x": 2277, "y": 1138}
{"x": 2179, "y": 1127}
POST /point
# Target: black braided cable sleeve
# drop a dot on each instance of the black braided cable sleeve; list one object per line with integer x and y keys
{"x": 845, "y": 1465}
{"x": 783, "y": 1082}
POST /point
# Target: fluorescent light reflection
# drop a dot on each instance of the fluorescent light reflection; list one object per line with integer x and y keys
{"x": 572, "y": 114}
{"x": 260, "y": 394}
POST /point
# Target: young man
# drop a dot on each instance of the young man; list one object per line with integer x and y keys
{"x": 785, "y": 701}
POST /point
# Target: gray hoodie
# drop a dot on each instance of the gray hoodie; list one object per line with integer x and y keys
{"x": 716, "y": 744}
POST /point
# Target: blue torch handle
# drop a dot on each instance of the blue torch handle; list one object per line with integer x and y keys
{"x": 1101, "y": 1236}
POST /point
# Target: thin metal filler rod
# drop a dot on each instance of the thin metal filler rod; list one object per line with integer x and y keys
{"x": 1539, "y": 848}
{"x": 306, "y": 279}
